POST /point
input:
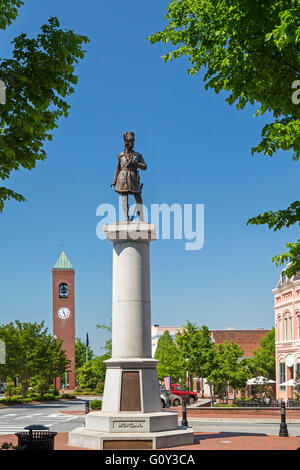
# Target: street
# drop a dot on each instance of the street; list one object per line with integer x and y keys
{"x": 13, "y": 419}
{"x": 242, "y": 427}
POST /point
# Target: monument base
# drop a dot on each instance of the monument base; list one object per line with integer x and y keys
{"x": 131, "y": 422}
{"x": 97, "y": 440}
{"x": 131, "y": 431}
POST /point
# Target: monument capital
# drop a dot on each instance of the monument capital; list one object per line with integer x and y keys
{"x": 130, "y": 231}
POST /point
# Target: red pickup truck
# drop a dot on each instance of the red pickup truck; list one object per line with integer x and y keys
{"x": 176, "y": 389}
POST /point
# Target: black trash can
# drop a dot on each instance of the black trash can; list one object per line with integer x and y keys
{"x": 38, "y": 438}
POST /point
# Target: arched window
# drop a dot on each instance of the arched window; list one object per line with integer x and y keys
{"x": 63, "y": 290}
{"x": 282, "y": 375}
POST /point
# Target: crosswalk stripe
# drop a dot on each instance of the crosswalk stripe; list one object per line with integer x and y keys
{"x": 10, "y": 427}
{"x": 10, "y": 430}
{"x": 52, "y": 416}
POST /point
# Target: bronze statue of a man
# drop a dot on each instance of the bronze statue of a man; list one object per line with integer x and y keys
{"x": 127, "y": 178}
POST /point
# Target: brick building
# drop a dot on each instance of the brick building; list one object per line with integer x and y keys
{"x": 248, "y": 340}
{"x": 287, "y": 333}
{"x": 64, "y": 314}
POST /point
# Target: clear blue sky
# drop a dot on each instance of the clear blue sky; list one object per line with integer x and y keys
{"x": 198, "y": 151}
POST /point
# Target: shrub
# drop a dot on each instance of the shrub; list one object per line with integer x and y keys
{"x": 100, "y": 387}
{"x": 10, "y": 389}
{"x": 12, "y": 400}
{"x": 9, "y": 446}
{"x": 40, "y": 385}
{"x": 96, "y": 404}
{"x": 223, "y": 405}
{"x": 31, "y": 395}
{"x": 67, "y": 396}
{"x": 245, "y": 400}
{"x": 49, "y": 396}
{"x": 18, "y": 390}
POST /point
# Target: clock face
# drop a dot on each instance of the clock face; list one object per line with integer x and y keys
{"x": 63, "y": 313}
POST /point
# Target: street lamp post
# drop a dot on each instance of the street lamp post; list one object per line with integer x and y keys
{"x": 184, "y": 421}
{"x": 283, "y": 431}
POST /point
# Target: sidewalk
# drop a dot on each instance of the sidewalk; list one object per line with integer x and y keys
{"x": 204, "y": 441}
{"x": 216, "y": 418}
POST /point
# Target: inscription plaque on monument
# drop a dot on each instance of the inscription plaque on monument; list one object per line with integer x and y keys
{"x": 129, "y": 425}
{"x": 130, "y": 391}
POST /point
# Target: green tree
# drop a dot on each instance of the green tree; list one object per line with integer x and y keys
{"x": 93, "y": 371}
{"x": 250, "y": 50}
{"x": 108, "y": 344}
{"x": 275, "y": 221}
{"x": 263, "y": 360}
{"x": 167, "y": 353}
{"x": 228, "y": 369}
{"x": 9, "y": 12}
{"x": 196, "y": 349}
{"x": 86, "y": 376}
{"x": 38, "y": 77}
{"x": 297, "y": 388}
{"x": 80, "y": 353}
{"x": 100, "y": 366}
{"x": 31, "y": 352}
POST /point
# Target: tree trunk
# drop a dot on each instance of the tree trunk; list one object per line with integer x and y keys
{"x": 25, "y": 387}
{"x": 211, "y": 395}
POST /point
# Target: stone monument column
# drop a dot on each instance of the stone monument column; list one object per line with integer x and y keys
{"x": 131, "y": 415}
{"x": 131, "y": 365}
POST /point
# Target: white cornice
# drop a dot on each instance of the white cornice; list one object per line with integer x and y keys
{"x": 286, "y": 285}
{"x": 286, "y": 343}
{"x": 284, "y": 305}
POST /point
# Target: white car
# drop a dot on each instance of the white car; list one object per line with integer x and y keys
{"x": 175, "y": 400}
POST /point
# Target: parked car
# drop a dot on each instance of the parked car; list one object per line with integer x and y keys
{"x": 174, "y": 399}
{"x": 178, "y": 390}
{"x": 3, "y": 387}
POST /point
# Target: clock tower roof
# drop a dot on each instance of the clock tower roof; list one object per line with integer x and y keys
{"x": 63, "y": 262}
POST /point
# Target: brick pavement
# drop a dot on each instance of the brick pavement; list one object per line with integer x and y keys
{"x": 202, "y": 441}
{"x": 205, "y": 441}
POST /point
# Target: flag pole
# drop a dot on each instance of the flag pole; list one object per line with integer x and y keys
{"x": 87, "y": 346}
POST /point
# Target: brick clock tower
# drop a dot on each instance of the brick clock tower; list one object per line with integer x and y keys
{"x": 64, "y": 313}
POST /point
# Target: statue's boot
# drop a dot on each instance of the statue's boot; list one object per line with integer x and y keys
{"x": 125, "y": 207}
{"x": 139, "y": 207}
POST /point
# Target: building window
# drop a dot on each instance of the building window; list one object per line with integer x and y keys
{"x": 297, "y": 370}
{"x": 291, "y": 328}
{"x": 282, "y": 374}
{"x": 285, "y": 329}
{"x": 298, "y": 326}
{"x": 63, "y": 291}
